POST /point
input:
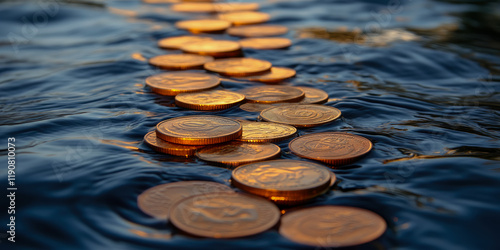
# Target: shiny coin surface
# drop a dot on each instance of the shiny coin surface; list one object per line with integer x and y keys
{"x": 257, "y": 30}
{"x": 209, "y": 100}
{"x": 203, "y": 25}
{"x": 234, "y": 6}
{"x": 255, "y": 107}
{"x": 283, "y": 181}
{"x": 313, "y": 95}
{"x": 224, "y": 215}
{"x": 158, "y": 200}
{"x": 214, "y": 7}
{"x": 174, "y": 83}
{"x": 266, "y": 43}
{"x": 217, "y": 48}
{"x": 334, "y": 148}
{"x": 266, "y": 132}
{"x": 179, "y": 41}
{"x": 238, "y": 66}
{"x": 332, "y": 226}
{"x": 166, "y": 147}
{"x": 198, "y": 130}
{"x": 301, "y": 115}
{"x": 245, "y": 17}
{"x": 237, "y": 153}
{"x": 273, "y": 94}
{"x": 276, "y": 74}
{"x": 180, "y": 61}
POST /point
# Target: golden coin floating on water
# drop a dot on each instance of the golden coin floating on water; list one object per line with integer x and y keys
{"x": 158, "y": 200}
{"x": 245, "y": 17}
{"x": 179, "y": 41}
{"x": 257, "y": 30}
{"x": 266, "y": 132}
{"x": 174, "y": 83}
{"x": 334, "y": 148}
{"x": 203, "y": 25}
{"x": 238, "y": 66}
{"x": 332, "y": 226}
{"x": 237, "y": 153}
{"x": 216, "y": 48}
{"x": 214, "y": 7}
{"x": 209, "y": 100}
{"x": 224, "y": 215}
{"x": 273, "y": 94}
{"x": 266, "y": 43}
{"x": 255, "y": 107}
{"x": 313, "y": 95}
{"x": 166, "y": 147}
{"x": 283, "y": 181}
{"x": 301, "y": 115}
{"x": 198, "y": 130}
{"x": 180, "y": 61}
{"x": 276, "y": 74}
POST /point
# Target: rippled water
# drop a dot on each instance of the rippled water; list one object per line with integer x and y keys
{"x": 418, "y": 78}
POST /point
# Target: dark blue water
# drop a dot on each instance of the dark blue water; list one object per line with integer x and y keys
{"x": 418, "y": 78}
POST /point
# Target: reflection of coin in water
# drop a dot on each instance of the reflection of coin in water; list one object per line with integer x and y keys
{"x": 313, "y": 95}
{"x": 273, "y": 94}
{"x": 257, "y": 30}
{"x": 178, "y": 41}
{"x": 173, "y": 83}
{"x": 334, "y": 148}
{"x": 209, "y": 100}
{"x": 266, "y": 132}
{"x": 245, "y": 17}
{"x": 266, "y": 43}
{"x": 217, "y": 48}
{"x": 332, "y": 226}
{"x": 283, "y": 181}
{"x": 238, "y": 66}
{"x": 237, "y": 153}
{"x": 276, "y": 74}
{"x": 203, "y": 25}
{"x": 158, "y": 200}
{"x": 180, "y": 61}
{"x": 301, "y": 115}
{"x": 214, "y": 7}
{"x": 198, "y": 130}
{"x": 166, "y": 147}
{"x": 224, "y": 215}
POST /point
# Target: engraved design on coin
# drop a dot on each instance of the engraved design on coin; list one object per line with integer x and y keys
{"x": 301, "y": 115}
{"x": 236, "y": 153}
{"x": 238, "y": 66}
{"x": 211, "y": 97}
{"x": 273, "y": 94}
{"x": 266, "y": 130}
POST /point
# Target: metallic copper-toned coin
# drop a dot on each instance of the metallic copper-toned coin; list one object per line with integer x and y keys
{"x": 255, "y": 107}
{"x": 313, "y": 95}
{"x": 234, "y": 6}
{"x": 266, "y": 132}
{"x": 336, "y": 148}
{"x": 257, "y": 30}
{"x": 216, "y": 48}
{"x": 180, "y": 61}
{"x": 203, "y": 25}
{"x": 236, "y": 153}
{"x": 158, "y": 200}
{"x": 273, "y": 94}
{"x": 198, "y": 130}
{"x": 224, "y": 215}
{"x": 174, "y": 83}
{"x": 245, "y": 17}
{"x": 301, "y": 115}
{"x": 214, "y": 7}
{"x": 332, "y": 226}
{"x": 266, "y": 43}
{"x": 283, "y": 181}
{"x": 179, "y": 41}
{"x": 238, "y": 66}
{"x": 277, "y": 74}
{"x": 209, "y": 100}
{"x": 166, "y": 147}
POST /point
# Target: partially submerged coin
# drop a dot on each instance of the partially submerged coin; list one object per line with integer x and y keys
{"x": 266, "y": 132}
{"x": 203, "y": 25}
{"x": 216, "y": 48}
{"x": 245, "y": 17}
{"x": 266, "y": 43}
{"x": 166, "y": 147}
{"x": 158, "y": 200}
{"x": 334, "y": 148}
{"x": 214, "y": 7}
{"x": 224, "y": 215}
{"x": 238, "y": 66}
{"x": 301, "y": 115}
{"x": 209, "y": 100}
{"x": 313, "y": 95}
{"x": 255, "y": 107}
{"x": 276, "y": 74}
{"x": 178, "y": 41}
{"x": 273, "y": 94}
{"x": 180, "y": 61}
{"x": 257, "y": 30}
{"x": 237, "y": 153}
{"x": 198, "y": 130}
{"x": 173, "y": 83}
{"x": 332, "y": 226}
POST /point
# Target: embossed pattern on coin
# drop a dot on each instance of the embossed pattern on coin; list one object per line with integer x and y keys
{"x": 180, "y": 61}
{"x": 217, "y": 48}
{"x": 178, "y": 41}
{"x": 313, "y": 96}
{"x": 257, "y": 30}
{"x": 266, "y": 43}
{"x": 273, "y": 94}
{"x": 332, "y": 226}
{"x": 224, "y": 215}
{"x": 301, "y": 115}
{"x": 245, "y": 17}
{"x": 166, "y": 147}
{"x": 203, "y": 25}
{"x": 266, "y": 132}
{"x": 238, "y": 66}
{"x": 209, "y": 100}
{"x": 237, "y": 153}
{"x": 173, "y": 83}
{"x": 276, "y": 74}
{"x": 255, "y": 107}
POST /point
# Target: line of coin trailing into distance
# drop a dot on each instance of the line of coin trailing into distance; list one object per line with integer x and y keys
{"x": 211, "y": 209}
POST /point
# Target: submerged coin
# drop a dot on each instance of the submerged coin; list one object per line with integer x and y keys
{"x": 334, "y": 148}
{"x": 180, "y": 61}
{"x": 224, "y": 215}
{"x": 209, "y": 100}
{"x": 276, "y": 74}
{"x": 214, "y": 7}
{"x": 266, "y": 132}
{"x": 217, "y": 48}
{"x": 273, "y": 94}
{"x": 255, "y": 107}
{"x": 245, "y": 17}
{"x": 332, "y": 226}
{"x": 166, "y": 147}
{"x": 179, "y": 41}
{"x": 237, "y": 153}
{"x": 283, "y": 181}
{"x": 257, "y": 30}
{"x": 301, "y": 115}
{"x": 203, "y": 25}
{"x": 238, "y": 66}
{"x": 266, "y": 43}
{"x": 174, "y": 83}
{"x": 198, "y": 130}
{"x": 313, "y": 95}
{"x": 158, "y": 200}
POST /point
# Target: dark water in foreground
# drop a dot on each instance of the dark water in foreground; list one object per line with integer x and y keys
{"x": 421, "y": 81}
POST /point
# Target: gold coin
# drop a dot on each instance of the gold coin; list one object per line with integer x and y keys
{"x": 283, "y": 181}
{"x": 266, "y": 43}
{"x": 179, "y": 41}
{"x": 203, "y": 25}
{"x": 238, "y": 66}
{"x": 301, "y": 115}
{"x": 224, "y": 215}
{"x": 245, "y": 17}
{"x": 173, "y": 83}
{"x": 198, "y": 130}
{"x": 158, "y": 200}
{"x": 166, "y": 147}
{"x": 277, "y": 74}
{"x": 255, "y": 107}
{"x": 236, "y": 153}
{"x": 257, "y": 30}
{"x": 266, "y": 132}
{"x": 209, "y": 100}
{"x": 273, "y": 94}
{"x": 332, "y": 226}
{"x": 313, "y": 95}
{"x": 216, "y": 48}
{"x": 214, "y": 7}
{"x": 233, "y": 6}
{"x": 180, "y": 61}
{"x": 334, "y": 148}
